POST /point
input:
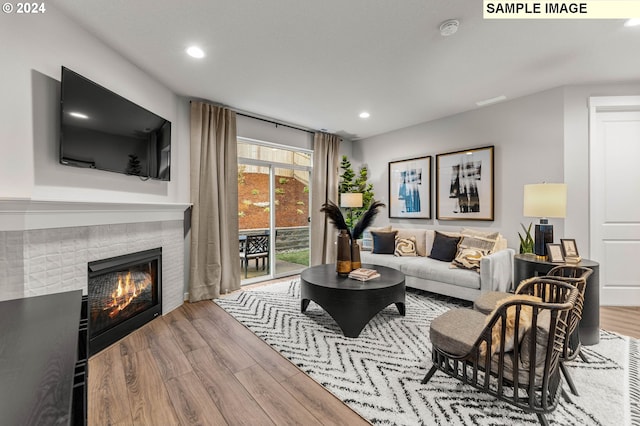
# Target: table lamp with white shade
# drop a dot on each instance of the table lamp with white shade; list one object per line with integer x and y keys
{"x": 544, "y": 200}
{"x": 351, "y": 200}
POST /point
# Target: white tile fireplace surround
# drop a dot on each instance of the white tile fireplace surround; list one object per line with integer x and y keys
{"x": 42, "y": 252}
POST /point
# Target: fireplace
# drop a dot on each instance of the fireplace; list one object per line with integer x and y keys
{"x": 124, "y": 294}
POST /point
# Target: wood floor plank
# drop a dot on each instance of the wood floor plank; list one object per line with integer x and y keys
{"x": 107, "y": 389}
{"x": 196, "y": 310}
{"x": 134, "y": 342}
{"x": 192, "y": 402}
{"x": 236, "y": 404}
{"x": 232, "y": 354}
{"x": 168, "y": 355}
{"x": 148, "y": 398}
{"x": 328, "y": 409}
{"x": 183, "y": 331}
{"x": 274, "y": 399}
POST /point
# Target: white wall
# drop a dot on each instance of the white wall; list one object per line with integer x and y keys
{"x": 33, "y": 51}
{"x": 528, "y": 137}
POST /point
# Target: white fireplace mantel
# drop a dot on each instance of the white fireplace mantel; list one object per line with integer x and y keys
{"x": 26, "y": 214}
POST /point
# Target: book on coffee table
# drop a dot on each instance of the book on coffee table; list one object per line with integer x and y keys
{"x": 363, "y": 274}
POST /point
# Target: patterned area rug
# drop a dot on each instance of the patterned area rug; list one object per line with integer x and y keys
{"x": 378, "y": 374}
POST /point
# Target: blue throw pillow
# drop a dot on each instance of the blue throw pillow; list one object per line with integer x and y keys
{"x": 444, "y": 247}
{"x": 384, "y": 242}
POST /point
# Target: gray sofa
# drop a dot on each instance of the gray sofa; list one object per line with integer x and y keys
{"x": 422, "y": 272}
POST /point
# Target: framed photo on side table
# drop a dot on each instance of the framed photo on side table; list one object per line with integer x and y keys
{"x": 464, "y": 185}
{"x": 570, "y": 251}
{"x": 410, "y": 188}
{"x": 554, "y": 253}
{"x": 569, "y": 248}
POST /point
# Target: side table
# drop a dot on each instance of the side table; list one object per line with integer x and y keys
{"x": 527, "y": 266}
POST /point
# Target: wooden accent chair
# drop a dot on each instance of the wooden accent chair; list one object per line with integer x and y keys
{"x": 526, "y": 375}
{"x": 577, "y": 276}
{"x": 255, "y": 247}
{"x": 571, "y": 274}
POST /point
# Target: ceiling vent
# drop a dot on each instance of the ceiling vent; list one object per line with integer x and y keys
{"x": 449, "y": 27}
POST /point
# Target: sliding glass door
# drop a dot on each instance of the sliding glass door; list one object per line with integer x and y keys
{"x": 291, "y": 207}
{"x": 273, "y": 209}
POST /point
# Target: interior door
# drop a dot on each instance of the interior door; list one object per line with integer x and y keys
{"x": 615, "y": 204}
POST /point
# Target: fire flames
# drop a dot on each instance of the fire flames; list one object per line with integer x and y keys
{"x": 128, "y": 289}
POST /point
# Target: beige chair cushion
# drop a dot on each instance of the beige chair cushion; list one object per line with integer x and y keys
{"x": 456, "y": 330}
{"x": 487, "y": 301}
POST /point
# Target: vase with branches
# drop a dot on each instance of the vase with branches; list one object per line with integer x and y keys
{"x": 333, "y": 212}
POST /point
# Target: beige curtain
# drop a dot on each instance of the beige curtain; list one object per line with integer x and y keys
{"x": 215, "y": 265}
{"x": 324, "y": 187}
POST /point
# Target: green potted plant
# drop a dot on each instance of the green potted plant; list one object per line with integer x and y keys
{"x": 352, "y": 182}
{"x": 526, "y": 242}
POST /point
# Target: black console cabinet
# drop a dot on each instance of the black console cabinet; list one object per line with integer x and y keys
{"x": 527, "y": 266}
{"x": 44, "y": 360}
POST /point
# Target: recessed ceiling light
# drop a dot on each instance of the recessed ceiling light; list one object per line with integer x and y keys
{"x": 78, "y": 115}
{"x": 491, "y": 101}
{"x": 449, "y": 27}
{"x": 195, "y": 52}
{"x": 365, "y": 114}
{"x": 633, "y": 22}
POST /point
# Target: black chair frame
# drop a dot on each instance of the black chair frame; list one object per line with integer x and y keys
{"x": 256, "y": 247}
{"x": 534, "y": 390}
{"x": 576, "y": 276}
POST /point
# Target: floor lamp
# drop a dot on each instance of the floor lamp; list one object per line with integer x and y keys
{"x": 544, "y": 200}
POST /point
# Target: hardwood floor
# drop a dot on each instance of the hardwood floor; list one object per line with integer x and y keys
{"x": 621, "y": 319}
{"x": 197, "y": 365}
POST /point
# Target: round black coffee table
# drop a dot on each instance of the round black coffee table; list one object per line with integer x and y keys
{"x": 351, "y": 303}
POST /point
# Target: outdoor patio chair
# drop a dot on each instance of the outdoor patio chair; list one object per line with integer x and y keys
{"x": 255, "y": 247}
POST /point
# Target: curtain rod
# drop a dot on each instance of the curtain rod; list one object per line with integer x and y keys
{"x": 266, "y": 120}
{"x": 275, "y": 122}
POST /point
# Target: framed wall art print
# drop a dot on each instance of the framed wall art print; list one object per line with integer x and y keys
{"x": 410, "y": 188}
{"x": 464, "y": 185}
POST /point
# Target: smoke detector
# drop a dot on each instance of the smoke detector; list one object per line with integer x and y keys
{"x": 449, "y": 27}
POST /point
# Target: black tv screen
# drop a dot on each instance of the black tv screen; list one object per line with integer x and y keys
{"x": 102, "y": 130}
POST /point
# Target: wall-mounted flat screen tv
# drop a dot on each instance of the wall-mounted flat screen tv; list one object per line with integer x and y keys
{"x": 100, "y": 129}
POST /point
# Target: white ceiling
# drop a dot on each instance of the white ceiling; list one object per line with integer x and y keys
{"x": 319, "y": 63}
